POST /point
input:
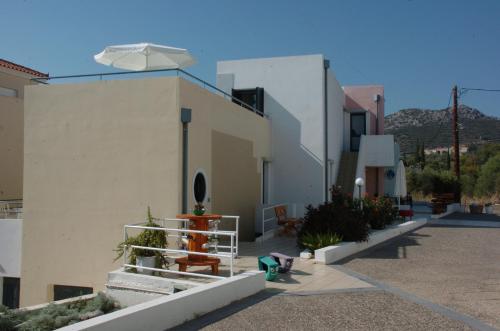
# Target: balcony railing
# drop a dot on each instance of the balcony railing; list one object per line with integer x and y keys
{"x": 230, "y": 253}
{"x": 11, "y": 209}
{"x": 178, "y": 72}
{"x": 270, "y": 221}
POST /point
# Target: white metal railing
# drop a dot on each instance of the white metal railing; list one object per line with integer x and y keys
{"x": 290, "y": 207}
{"x": 11, "y": 209}
{"x": 236, "y": 220}
{"x": 233, "y": 238}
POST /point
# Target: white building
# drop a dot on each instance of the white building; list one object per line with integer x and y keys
{"x": 322, "y": 134}
{"x": 114, "y": 147}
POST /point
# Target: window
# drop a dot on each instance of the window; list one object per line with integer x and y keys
{"x": 62, "y": 292}
{"x": 252, "y": 97}
{"x": 358, "y": 128}
{"x": 199, "y": 187}
{"x": 8, "y": 92}
{"x": 10, "y": 290}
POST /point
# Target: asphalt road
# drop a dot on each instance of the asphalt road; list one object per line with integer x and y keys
{"x": 457, "y": 267}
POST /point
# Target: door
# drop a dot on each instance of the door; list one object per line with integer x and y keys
{"x": 358, "y": 128}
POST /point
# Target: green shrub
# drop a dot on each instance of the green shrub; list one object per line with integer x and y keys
{"x": 432, "y": 181}
{"x": 489, "y": 177}
{"x": 55, "y": 316}
{"x": 6, "y": 323}
{"x": 147, "y": 238}
{"x": 319, "y": 240}
{"x": 379, "y": 212}
{"x": 468, "y": 182}
{"x": 342, "y": 216}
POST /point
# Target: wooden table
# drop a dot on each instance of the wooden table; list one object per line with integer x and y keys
{"x": 196, "y": 241}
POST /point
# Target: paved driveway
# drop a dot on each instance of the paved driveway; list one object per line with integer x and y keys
{"x": 457, "y": 267}
{"x": 364, "y": 309}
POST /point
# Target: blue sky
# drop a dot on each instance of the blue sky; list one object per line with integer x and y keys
{"x": 417, "y": 49}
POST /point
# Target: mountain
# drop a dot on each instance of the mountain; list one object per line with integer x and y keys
{"x": 433, "y": 127}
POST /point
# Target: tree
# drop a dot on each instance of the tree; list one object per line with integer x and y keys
{"x": 422, "y": 156}
{"x": 489, "y": 176}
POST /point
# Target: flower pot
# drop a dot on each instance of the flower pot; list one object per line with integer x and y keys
{"x": 476, "y": 208}
{"x": 199, "y": 212}
{"x": 145, "y": 261}
{"x": 306, "y": 254}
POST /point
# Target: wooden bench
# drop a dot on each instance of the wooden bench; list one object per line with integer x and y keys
{"x": 440, "y": 201}
{"x": 184, "y": 262}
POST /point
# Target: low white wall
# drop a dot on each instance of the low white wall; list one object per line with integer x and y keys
{"x": 450, "y": 209}
{"x": 331, "y": 254}
{"x": 166, "y": 312}
{"x": 11, "y": 234}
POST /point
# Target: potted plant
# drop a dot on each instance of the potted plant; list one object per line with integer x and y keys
{"x": 488, "y": 208}
{"x": 476, "y": 208}
{"x": 147, "y": 238}
{"x": 198, "y": 209}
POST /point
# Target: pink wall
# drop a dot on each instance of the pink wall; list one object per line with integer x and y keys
{"x": 361, "y": 97}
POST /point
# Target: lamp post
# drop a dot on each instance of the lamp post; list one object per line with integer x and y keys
{"x": 360, "y": 182}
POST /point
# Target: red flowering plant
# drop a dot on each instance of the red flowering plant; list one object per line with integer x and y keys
{"x": 379, "y": 212}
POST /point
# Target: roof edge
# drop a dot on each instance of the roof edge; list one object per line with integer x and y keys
{"x": 17, "y": 67}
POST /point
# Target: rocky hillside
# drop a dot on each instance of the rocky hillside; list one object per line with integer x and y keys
{"x": 433, "y": 127}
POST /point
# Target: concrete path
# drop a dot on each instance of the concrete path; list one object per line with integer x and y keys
{"x": 306, "y": 274}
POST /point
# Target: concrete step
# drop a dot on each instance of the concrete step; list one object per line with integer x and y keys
{"x": 131, "y": 288}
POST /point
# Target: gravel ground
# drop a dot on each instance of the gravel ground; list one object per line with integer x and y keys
{"x": 451, "y": 266}
{"x": 344, "y": 310}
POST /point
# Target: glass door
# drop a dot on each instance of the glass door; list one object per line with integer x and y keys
{"x": 358, "y": 128}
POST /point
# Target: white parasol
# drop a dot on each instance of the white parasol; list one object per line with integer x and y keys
{"x": 145, "y": 56}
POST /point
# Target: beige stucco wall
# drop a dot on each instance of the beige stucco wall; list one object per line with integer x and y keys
{"x": 242, "y": 140}
{"x": 236, "y": 183}
{"x": 11, "y": 135}
{"x": 96, "y": 155}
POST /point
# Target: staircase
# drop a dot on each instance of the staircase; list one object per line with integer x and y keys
{"x": 347, "y": 171}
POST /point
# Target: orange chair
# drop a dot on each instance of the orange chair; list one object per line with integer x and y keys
{"x": 290, "y": 225}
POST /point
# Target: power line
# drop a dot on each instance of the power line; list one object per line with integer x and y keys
{"x": 478, "y": 89}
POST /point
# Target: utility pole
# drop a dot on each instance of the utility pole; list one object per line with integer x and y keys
{"x": 456, "y": 148}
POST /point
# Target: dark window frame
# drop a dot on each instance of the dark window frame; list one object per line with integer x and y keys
{"x": 258, "y": 92}
{"x": 201, "y": 185}
{"x": 350, "y": 131}
{"x": 11, "y": 288}
{"x": 62, "y": 292}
